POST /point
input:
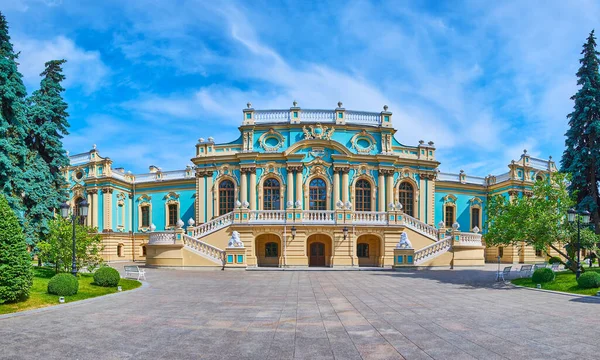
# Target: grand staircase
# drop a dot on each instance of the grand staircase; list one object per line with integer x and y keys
{"x": 195, "y": 241}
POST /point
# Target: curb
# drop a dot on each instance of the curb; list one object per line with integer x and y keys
{"x": 595, "y": 297}
{"x": 70, "y": 304}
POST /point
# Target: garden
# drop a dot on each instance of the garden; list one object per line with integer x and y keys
{"x": 564, "y": 281}
{"x": 73, "y": 289}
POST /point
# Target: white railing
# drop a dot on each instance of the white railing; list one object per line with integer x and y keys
{"x": 539, "y": 164}
{"x": 211, "y": 226}
{"x": 315, "y": 115}
{"x": 271, "y": 116}
{"x": 326, "y": 116}
{"x": 161, "y": 238}
{"x": 470, "y": 239}
{"x": 207, "y": 250}
{"x": 267, "y": 216}
{"x": 363, "y": 117}
{"x": 79, "y": 159}
{"x": 318, "y": 216}
{"x": 434, "y": 250}
{"x": 369, "y": 217}
{"x": 420, "y": 227}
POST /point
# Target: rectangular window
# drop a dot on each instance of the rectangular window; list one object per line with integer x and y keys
{"x": 386, "y": 118}
{"x": 172, "y": 215}
{"x": 475, "y": 218}
{"x": 501, "y": 252}
{"x": 145, "y": 216}
{"x": 340, "y": 115}
{"x": 248, "y": 116}
{"x": 538, "y": 253}
{"x": 295, "y": 114}
{"x": 449, "y": 216}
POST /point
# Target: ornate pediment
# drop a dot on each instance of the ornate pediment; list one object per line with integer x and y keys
{"x": 317, "y": 131}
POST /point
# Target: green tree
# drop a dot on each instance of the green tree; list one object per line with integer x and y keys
{"x": 47, "y": 118}
{"x": 13, "y": 123}
{"x": 57, "y": 249}
{"x": 582, "y": 154}
{"x": 539, "y": 220}
{"x": 16, "y": 276}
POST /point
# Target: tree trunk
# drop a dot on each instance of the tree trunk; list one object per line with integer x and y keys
{"x": 594, "y": 194}
{"x": 573, "y": 266}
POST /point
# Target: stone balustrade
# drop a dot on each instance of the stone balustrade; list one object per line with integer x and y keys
{"x": 433, "y": 250}
{"x": 162, "y": 238}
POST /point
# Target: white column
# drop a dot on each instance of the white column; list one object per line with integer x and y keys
{"x": 299, "y": 186}
{"x": 244, "y": 186}
{"x": 381, "y": 190}
{"x": 344, "y": 186}
{"x": 390, "y": 188}
{"x": 253, "y": 190}
{"x": 290, "y": 187}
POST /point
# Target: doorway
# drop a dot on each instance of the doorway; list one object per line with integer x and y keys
{"x": 317, "y": 254}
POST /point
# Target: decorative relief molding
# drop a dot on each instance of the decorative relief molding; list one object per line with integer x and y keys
{"x": 318, "y": 132}
{"x": 363, "y": 135}
{"x": 271, "y": 134}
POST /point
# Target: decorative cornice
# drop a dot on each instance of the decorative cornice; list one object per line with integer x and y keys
{"x": 294, "y": 168}
{"x": 248, "y": 170}
{"x": 342, "y": 169}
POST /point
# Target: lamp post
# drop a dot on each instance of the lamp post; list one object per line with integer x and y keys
{"x": 581, "y": 218}
{"x": 64, "y": 212}
{"x": 345, "y": 230}
{"x": 293, "y": 232}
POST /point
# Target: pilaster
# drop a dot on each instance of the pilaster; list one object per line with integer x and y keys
{"x": 289, "y": 187}
{"x": 108, "y": 223}
{"x": 252, "y": 172}
{"x": 381, "y": 206}
{"x": 299, "y": 186}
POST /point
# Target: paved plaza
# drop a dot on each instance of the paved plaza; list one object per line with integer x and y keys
{"x": 441, "y": 314}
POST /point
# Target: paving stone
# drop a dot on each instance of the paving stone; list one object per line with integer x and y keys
{"x": 437, "y": 314}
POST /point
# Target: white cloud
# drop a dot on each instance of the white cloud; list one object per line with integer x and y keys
{"x": 83, "y": 68}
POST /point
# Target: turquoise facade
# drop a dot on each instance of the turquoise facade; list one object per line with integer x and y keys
{"x": 295, "y": 146}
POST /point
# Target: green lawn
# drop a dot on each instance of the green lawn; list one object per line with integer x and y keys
{"x": 39, "y": 296}
{"x": 565, "y": 282}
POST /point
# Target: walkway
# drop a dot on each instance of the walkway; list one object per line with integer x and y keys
{"x": 446, "y": 314}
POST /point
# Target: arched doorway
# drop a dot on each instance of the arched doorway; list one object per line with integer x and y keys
{"x": 319, "y": 251}
{"x": 368, "y": 250}
{"x": 268, "y": 250}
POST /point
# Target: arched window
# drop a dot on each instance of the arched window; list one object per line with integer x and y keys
{"x": 539, "y": 178}
{"x": 317, "y": 194}
{"x": 406, "y": 196}
{"x": 80, "y": 219}
{"x": 226, "y": 196}
{"x": 143, "y": 250}
{"x": 271, "y": 249}
{"x": 362, "y": 250}
{"x": 120, "y": 250}
{"x": 363, "y": 195}
{"x": 271, "y": 194}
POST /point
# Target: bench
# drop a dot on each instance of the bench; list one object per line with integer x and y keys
{"x": 525, "y": 271}
{"x": 134, "y": 271}
{"x": 504, "y": 274}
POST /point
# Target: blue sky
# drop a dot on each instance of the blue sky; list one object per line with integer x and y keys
{"x": 145, "y": 79}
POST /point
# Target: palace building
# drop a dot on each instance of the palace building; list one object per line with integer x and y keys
{"x": 300, "y": 188}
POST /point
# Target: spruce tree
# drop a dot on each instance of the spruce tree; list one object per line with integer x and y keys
{"x": 13, "y": 126}
{"x": 47, "y": 120}
{"x": 581, "y": 157}
{"x": 16, "y": 276}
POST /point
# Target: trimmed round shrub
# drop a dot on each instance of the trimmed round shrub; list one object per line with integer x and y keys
{"x": 554, "y": 260}
{"x": 63, "y": 285}
{"x": 542, "y": 275}
{"x": 589, "y": 280}
{"x": 107, "y": 277}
